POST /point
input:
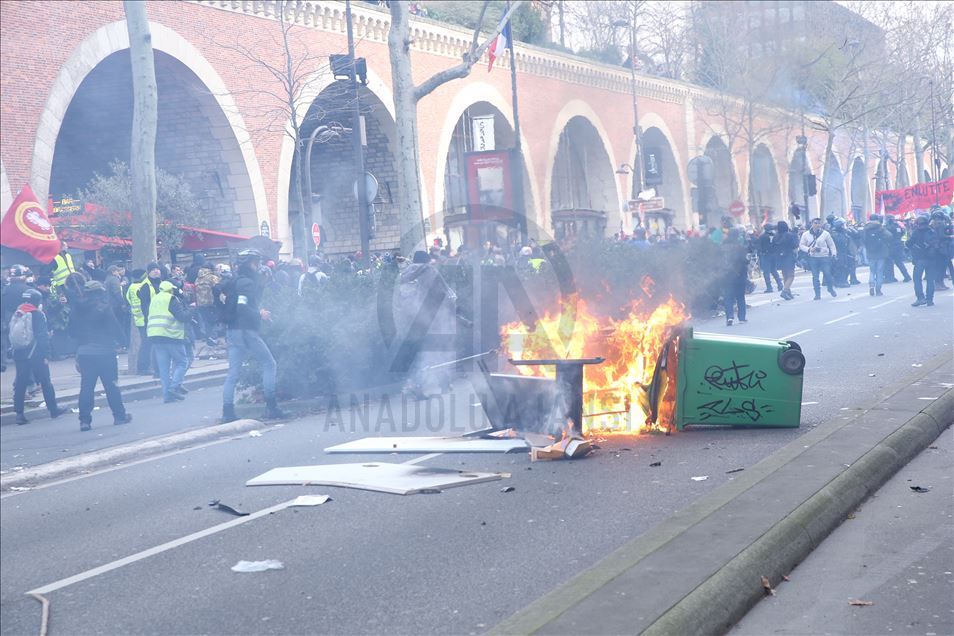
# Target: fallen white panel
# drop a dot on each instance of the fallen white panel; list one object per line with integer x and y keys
{"x": 398, "y": 479}
{"x": 431, "y": 445}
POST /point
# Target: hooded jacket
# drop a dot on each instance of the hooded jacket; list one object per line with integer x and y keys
{"x": 877, "y": 241}
{"x": 41, "y": 335}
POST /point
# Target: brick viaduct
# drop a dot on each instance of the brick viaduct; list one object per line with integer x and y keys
{"x": 66, "y": 103}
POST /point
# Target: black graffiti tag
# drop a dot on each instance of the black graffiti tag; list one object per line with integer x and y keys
{"x": 735, "y": 376}
{"x": 722, "y": 408}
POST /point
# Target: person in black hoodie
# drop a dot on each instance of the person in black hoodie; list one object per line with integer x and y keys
{"x": 923, "y": 244}
{"x": 767, "y": 258}
{"x": 31, "y": 358}
{"x": 785, "y": 243}
{"x": 243, "y": 319}
{"x": 95, "y": 328}
{"x": 736, "y": 274}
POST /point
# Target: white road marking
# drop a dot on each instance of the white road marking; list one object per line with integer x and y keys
{"x": 422, "y": 458}
{"x": 792, "y": 335}
{"x": 807, "y": 403}
{"x": 145, "y": 554}
{"x": 887, "y": 302}
{"x": 840, "y": 319}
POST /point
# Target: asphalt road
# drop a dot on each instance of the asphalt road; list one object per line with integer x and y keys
{"x": 454, "y": 562}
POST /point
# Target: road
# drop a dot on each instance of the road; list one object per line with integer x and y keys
{"x": 454, "y": 562}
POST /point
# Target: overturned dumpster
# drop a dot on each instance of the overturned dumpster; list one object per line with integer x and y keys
{"x": 716, "y": 379}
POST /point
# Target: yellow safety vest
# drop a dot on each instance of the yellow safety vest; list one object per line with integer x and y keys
{"x": 64, "y": 267}
{"x": 161, "y": 321}
{"x": 132, "y": 297}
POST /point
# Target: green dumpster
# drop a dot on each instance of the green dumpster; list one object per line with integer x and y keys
{"x": 727, "y": 381}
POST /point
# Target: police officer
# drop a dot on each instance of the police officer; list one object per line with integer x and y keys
{"x": 243, "y": 320}
{"x": 165, "y": 326}
{"x": 924, "y": 244}
{"x": 896, "y": 253}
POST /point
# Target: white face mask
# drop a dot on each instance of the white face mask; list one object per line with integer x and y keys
{"x": 242, "y": 300}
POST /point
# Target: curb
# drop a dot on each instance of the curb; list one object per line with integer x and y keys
{"x": 716, "y": 605}
{"x": 70, "y": 466}
{"x": 723, "y": 595}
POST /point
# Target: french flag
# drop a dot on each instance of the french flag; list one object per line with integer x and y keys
{"x": 499, "y": 45}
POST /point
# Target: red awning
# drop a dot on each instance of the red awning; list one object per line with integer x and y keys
{"x": 86, "y": 241}
{"x": 195, "y": 239}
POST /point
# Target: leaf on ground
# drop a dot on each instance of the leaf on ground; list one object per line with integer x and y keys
{"x": 767, "y": 586}
{"x": 860, "y": 603}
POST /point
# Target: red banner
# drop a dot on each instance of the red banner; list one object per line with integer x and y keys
{"x": 27, "y": 228}
{"x": 922, "y": 196}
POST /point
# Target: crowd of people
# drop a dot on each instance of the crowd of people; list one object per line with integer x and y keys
{"x": 88, "y": 311}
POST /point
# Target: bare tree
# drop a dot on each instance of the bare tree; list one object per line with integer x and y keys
{"x": 406, "y": 97}
{"x": 663, "y": 39}
{"x": 145, "y": 118}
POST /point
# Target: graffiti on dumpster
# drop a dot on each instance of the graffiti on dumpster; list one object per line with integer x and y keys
{"x": 730, "y": 407}
{"x": 734, "y": 377}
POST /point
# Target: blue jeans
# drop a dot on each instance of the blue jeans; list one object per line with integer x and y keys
{"x": 876, "y": 272}
{"x": 820, "y": 265}
{"x": 170, "y": 355}
{"x": 734, "y": 295}
{"x": 924, "y": 270}
{"x": 243, "y": 344}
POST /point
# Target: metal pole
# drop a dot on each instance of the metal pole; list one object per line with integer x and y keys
{"x": 640, "y": 174}
{"x": 363, "y": 224}
{"x": 935, "y": 169}
{"x": 517, "y": 167}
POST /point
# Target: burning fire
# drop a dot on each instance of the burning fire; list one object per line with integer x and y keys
{"x": 615, "y": 393}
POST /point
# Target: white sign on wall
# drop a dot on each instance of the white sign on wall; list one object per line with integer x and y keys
{"x": 483, "y": 128}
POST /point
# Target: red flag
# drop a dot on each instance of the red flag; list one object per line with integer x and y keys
{"x": 27, "y": 228}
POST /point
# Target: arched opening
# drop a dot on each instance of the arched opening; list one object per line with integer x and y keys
{"x": 766, "y": 198}
{"x": 194, "y": 139}
{"x": 723, "y": 176}
{"x": 482, "y": 128}
{"x": 330, "y": 122}
{"x": 833, "y": 189}
{"x": 583, "y": 189}
{"x": 662, "y": 174}
{"x": 798, "y": 171}
{"x": 859, "y": 190}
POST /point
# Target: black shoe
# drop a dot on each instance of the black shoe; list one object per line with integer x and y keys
{"x": 831, "y": 290}
{"x": 228, "y": 413}
{"x": 768, "y": 291}
{"x": 929, "y": 303}
{"x": 86, "y": 426}
{"x": 272, "y": 412}
{"x": 817, "y": 296}
{"x": 919, "y": 303}
{"x": 871, "y": 291}
{"x": 126, "y": 418}
{"x": 58, "y": 412}
{"x": 728, "y": 322}
{"x": 21, "y": 419}
{"x": 879, "y": 293}
{"x": 181, "y": 390}
{"x": 173, "y": 397}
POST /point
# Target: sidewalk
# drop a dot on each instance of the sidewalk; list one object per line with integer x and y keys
{"x": 895, "y": 552}
{"x": 700, "y": 571}
{"x": 66, "y": 381}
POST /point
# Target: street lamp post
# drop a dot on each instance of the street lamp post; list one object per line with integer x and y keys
{"x": 364, "y": 222}
{"x": 638, "y": 174}
{"x": 936, "y": 172}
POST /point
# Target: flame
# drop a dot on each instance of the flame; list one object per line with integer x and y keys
{"x": 615, "y": 393}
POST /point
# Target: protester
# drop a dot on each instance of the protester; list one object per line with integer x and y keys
{"x": 313, "y": 277}
{"x": 767, "y": 261}
{"x": 895, "y": 252}
{"x": 146, "y": 363}
{"x": 30, "y": 341}
{"x": 205, "y": 284}
{"x": 817, "y": 244}
{"x": 243, "y": 318}
{"x": 877, "y": 241}
{"x": 165, "y": 327}
{"x": 925, "y": 247}
{"x": 786, "y": 246}
{"x": 736, "y": 263}
{"x": 841, "y": 262}
{"x": 62, "y": 265}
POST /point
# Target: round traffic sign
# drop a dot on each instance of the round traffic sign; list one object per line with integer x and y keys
{"x": 316, "y": 234}
{"x": 736, "y": 208}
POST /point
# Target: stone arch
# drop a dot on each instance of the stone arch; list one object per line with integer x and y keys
{"x": 470, "y": 94}
{"x": 724, "y": 173}
{"x": 674, "y": 186}
{"x": 833, "y": 188}
{"x": 860, "y": 195}
{"x": 230, "y": 127}
{"x": 606, "y": 187}
{"x": 764, "y": 187}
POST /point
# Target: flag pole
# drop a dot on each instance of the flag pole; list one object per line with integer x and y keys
{"x": 516, "y": 170}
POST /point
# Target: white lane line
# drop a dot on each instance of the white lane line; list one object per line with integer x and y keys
{"x": 807, "y": 403}
{"x": 830, "y": 322}
{"x": 145, "y": 554}
{"x": 887, "y": 302}
{"x": 423, "y": 458}
{"x": 797, "y": 333}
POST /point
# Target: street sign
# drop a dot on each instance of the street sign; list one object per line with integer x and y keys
{"x": 265, "y": 230}
{"x": 736, "y": 208}
{"x": 316, "y": 234}
{"x": 370, "y": 187}
{"x": 652, "y": 205}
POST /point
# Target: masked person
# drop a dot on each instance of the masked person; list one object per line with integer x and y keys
{"x": 820, "y": 249}
{"x": 243, "y": 316}
{"x": 94, "y": 326}
{"x": 165, "y": 326}
{"x": 896, "y": 251}
{"x": 924, "y": 245}
{"x": 30, "y": 340}
{"x": 144, "y": 293}
{"x": 62, "y": 266}
{"x": 767, "y": 262}
{"x": 877, "y": 241}
{"x": 786, "y": 244}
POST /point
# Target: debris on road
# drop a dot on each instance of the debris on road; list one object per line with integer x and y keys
{"x": 254, "y": 433}
{"x": 218, "y": 505}
{"x": 700, "y": 478}
{"x": 507, "y": 489}
{"x": 921, "y": 488}
{"x": 431, "y": 445}
{"x": 655, "y": 464}
{"x": 398, "y": 479}
{"x": 566, "y": 448}
{"x": 734, "y": 470}
{"x": 860, "y": 603}
{"x": 258, "y": 566}
{"x": 767, "y": 586}
{"x": 309, "y": 500}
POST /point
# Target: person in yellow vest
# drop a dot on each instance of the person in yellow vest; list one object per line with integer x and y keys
{"x": 145, "y": 364}
{"x": 62, "y": 266}
{"x": 138, "y": 277}
{"x": 165, "y": 327}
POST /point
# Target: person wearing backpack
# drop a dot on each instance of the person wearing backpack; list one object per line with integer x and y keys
{"x": 877, "y": 248}
{"x": 30, "y": 341}
{"x": 312, "y": 278}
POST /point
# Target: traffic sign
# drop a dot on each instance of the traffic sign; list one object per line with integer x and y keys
{"x": 316, "y": 234}
{"x": 652, "y": 205}
{"x": 736, "y": 208}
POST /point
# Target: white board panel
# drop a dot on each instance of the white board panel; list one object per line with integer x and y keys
{"x": 431, "y": 445}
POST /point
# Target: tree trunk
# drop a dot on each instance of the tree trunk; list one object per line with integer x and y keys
{"x": 406, "y": 154}
{"x": 918, "y": 151}
{"x": 142, "y": 155}
{"x": 829, "y": 144}
{"x": 560, "y": 9}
